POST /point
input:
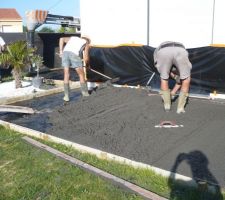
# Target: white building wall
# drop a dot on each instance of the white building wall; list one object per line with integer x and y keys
{"x": 181, "y": 20}
{"x": 113, "y": 22}
{"x": 219, "y": 25}
{"x": 11, "y": 26}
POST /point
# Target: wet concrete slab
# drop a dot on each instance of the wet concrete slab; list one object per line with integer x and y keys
{"x": 122, "y": 121}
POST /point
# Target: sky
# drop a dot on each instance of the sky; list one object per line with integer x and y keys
{"x": 57, "y": 7}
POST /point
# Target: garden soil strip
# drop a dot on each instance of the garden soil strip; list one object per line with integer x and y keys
{"x": 115, "y": 180}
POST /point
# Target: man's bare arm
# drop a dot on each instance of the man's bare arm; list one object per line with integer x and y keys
{"x": 62, "y": 41}
{"x": 86, "y": 55}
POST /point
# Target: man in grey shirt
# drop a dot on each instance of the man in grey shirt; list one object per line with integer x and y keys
{"x": 167, "y": 55}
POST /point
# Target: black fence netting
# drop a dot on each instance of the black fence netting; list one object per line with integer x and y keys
{"x": 134, "y": 65}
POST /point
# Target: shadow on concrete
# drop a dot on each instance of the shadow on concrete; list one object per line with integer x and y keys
{"x": 207, "y": 185}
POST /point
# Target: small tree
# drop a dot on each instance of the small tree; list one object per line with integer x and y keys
{"x": 17, "y": 56}
{"x": 37, "y": 62}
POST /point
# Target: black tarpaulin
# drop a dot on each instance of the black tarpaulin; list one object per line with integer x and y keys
{"x": 134, "y": 66}
{"x": 208, "y": 72}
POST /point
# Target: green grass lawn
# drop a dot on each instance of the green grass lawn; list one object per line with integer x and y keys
{"x": 27, "y": 172}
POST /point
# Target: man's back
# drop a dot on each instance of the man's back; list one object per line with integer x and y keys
{"x": 74, "y": 44}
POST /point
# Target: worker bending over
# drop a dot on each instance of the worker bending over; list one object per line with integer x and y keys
{"x": 72, "y": 50}
{"x": 167, "y": 55}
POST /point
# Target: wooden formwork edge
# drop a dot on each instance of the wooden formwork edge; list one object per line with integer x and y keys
{"x": 114, "y": 179}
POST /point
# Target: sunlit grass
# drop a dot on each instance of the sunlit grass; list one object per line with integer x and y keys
{"x": 29, "y": 173}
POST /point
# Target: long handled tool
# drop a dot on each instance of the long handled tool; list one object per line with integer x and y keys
{"x": 108, "y": 82}
{"x": 150, "y": 79}
{"x": 111, "y": 80}
{"x": 100, "y": 73}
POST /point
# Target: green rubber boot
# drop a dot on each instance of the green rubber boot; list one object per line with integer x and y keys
{"x": 66, "y": 92}
{"x": 182, "y": 102}
{"x": 165, "y": 94}
{"x": 84, "y": 89}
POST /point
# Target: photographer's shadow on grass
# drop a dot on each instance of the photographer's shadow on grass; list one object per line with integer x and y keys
{"x": 207, "y": 185}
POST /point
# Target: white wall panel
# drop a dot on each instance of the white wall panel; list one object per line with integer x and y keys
{"x": 113, "y": 22}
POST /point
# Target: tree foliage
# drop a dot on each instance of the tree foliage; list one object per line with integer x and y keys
{"x": 46, "y": 29}
{"x": 66, "y": 30}
{"x": 17, "y": 55}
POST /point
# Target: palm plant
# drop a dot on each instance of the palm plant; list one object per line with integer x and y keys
{"x": 17, "y": 55}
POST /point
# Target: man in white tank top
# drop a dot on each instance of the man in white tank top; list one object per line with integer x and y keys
{"x": 71, "y": 50}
